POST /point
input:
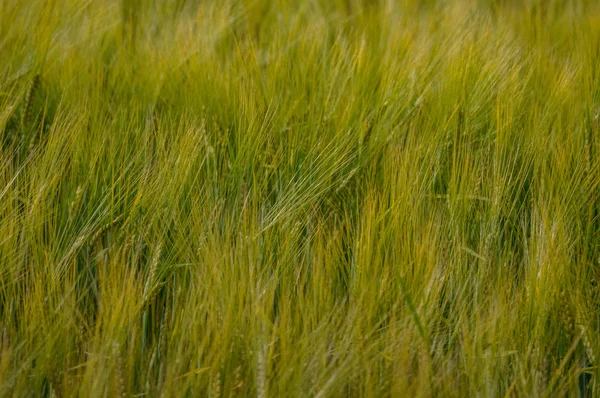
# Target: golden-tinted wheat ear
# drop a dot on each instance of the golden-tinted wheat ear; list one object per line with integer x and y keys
{"x": 119, "y": 373}
{"x": 261, "y": 377}
{"x": 215, "y": 388}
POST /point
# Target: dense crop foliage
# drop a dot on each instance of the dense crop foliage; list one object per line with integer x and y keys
{"x": 299, "y": 198}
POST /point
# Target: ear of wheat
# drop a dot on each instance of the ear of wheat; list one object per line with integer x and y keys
{"x": 27, "y": 115}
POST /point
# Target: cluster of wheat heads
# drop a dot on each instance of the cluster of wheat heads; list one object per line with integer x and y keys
{"x": 299, "y": 198}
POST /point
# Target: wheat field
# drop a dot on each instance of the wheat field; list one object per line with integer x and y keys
{"x": 299, "y": 198}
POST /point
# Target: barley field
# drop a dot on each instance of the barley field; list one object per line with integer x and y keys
{"x": 299, "y": 198}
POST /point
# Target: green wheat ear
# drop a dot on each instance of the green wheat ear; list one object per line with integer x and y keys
{"x": 5, "y": 115}
{"x": 27, "y": 116}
